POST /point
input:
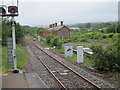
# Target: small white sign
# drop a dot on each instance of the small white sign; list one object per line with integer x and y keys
{"x": 39, "y": 38}
{"x": 68, "y": 50}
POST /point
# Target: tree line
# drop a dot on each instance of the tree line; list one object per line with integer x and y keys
{"x": 108, "y": 27}
{"x": 6, "y": 29}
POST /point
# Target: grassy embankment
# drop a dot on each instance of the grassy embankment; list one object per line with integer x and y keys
{"x": 21, "y": 59}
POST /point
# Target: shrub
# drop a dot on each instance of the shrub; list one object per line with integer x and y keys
{"x": 106, "y": 59}
{"x": 67, "y": 40}
{"x": 111, "y": 35}
{"x": 49, "y": 38}
{"x": 54, "y": 41}
{"x": 115, "y": 37}
{"x": 92, "y": 35}
{"x": 104, "y": 36}
{"x": 59, "y": 44}
{"x": 83, "y": 40}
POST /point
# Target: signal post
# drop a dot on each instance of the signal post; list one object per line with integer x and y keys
{"x": 14, "y": 44}
{"x": 13, "y": 11}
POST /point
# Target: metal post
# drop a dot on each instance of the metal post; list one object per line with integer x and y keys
{"x": 14, "y": 44}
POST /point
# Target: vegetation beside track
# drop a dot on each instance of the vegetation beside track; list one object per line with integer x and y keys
{"x": 105, "y": 58}
{"x": 6, "y": 30}
{"x": 21, "y": 59}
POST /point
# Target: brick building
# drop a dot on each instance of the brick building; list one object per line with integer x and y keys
{"x": 61, "y": 30}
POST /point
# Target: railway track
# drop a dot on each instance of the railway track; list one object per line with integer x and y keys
{"x": 65, "y": 76}
{"x": 37, "y": 67}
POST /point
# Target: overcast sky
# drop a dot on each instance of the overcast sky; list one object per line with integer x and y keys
{"x": 39, "y": 13}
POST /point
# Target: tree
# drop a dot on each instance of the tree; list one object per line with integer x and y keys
{"x": 7, "y": 31}
{"x": 40, "y": 30}
{"x": 19, "y": 33}
{"x": 118, "y": 28}
{"x": 111, "y": 29}
{"x": 88, "y": 25}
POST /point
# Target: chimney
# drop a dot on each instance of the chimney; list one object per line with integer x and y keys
{"x": 61, "y": 23}
{"x": 55, "y": 24}
{"x": 51, "y": 25}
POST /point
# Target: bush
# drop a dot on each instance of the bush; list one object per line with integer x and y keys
{"x": 67, "y": 40}
{"x": 54, "y": 41}
{"x": 104, "y": 36}
{"x": 92, "y": 35}
{"x": 49, "y": 38}
{"x": 59, "y": 44}
{"x": 83, "y": 40}
{"x": 115, "y": 37}
{"x": 110, "y": 35}
{"x": 106, "y": 59}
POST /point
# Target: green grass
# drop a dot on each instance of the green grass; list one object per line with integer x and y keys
{"x": 87, "y": 61}
{"x": 108, "y": 41}
{"x": 5, "y": 66}
{"x": 73, "y": 58}
{"x": 44, "y": 44}
{"x": 21, "y": 59}
{"x": 60, "y": 51}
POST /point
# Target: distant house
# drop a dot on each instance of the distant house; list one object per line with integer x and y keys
{"x": 61, "y": 30}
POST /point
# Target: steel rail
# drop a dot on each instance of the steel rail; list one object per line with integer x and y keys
{"x": 71, "y": 70}
{"x": 88, "y": 55}
{"x": 63, "y": 87}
